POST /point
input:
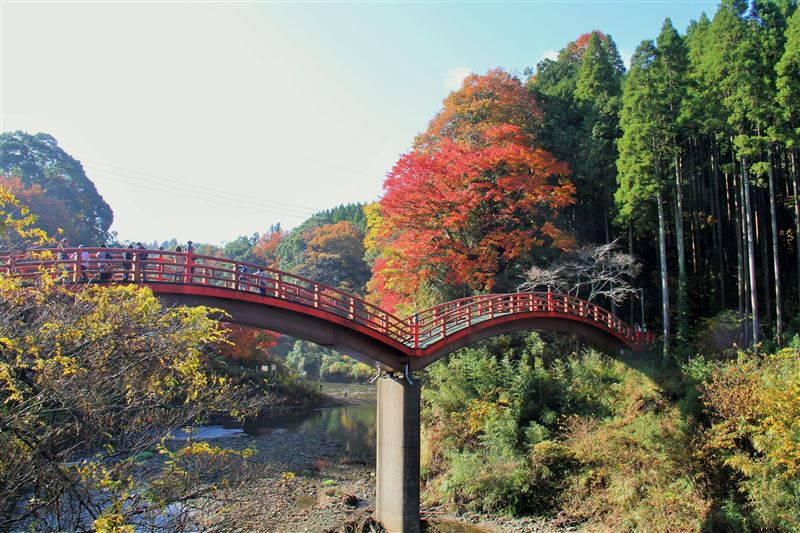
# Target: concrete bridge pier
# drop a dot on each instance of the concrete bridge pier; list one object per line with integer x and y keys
{"x": 397, "y": 498}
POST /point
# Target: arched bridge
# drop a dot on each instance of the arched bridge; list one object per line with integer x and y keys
{"x": 256, "y": 296}
{"x": 287, "y": 303}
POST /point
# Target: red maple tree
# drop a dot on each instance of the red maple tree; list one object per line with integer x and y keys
{"x": 463, "y": 211}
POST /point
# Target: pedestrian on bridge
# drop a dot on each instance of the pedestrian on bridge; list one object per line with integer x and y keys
{"x": 142, "y": 259}
{"x": 81, "y": 257}
{"x": 126, "y": 265}
{"x": 242, "y": 277}
{"x": 261, "y": 280}
{"x": 105, "y": 268}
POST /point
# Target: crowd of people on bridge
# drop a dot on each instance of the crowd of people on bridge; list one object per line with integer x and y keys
{"x": 139, "y": 264}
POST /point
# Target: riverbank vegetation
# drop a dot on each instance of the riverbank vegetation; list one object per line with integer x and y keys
{"x": 92, "y": 382}
{"x": 619, "y": 444}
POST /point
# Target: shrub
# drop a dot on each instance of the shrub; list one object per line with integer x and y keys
{"x": 753, "y": 442}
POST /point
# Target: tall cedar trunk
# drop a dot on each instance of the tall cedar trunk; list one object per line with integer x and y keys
{"x": 662, "y": 258}
{"x": 739, "y": 249}
{"x": 718, "y": 221}
{"x": 776, "y": 268}
{"x": 796, "y": 191}
{"x": 751, "y": 256}
{"x": 683, "y": 295}
{"x": 745, "y": 265}
{"x": 762, "y": 240}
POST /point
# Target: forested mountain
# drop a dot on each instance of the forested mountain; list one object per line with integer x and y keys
{"x": 54, "y": 185}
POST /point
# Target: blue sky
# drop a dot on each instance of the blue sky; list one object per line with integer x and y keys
{"x": 206, "y": 121}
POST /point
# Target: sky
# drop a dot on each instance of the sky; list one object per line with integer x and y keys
{"x": 208, "y": 120}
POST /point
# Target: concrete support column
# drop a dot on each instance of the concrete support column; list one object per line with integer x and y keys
{"x": 397, "y": 499}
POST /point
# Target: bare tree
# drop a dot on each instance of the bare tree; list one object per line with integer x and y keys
{"x": 590, "y": 272}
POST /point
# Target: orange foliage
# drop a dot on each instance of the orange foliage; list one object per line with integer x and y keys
{"x": 266, "y": 249}
{"x": 51, "y": 213}
{"x": 335, "y": 256}
{"x": 577, "y": 47}
{"x": 247, "y": 344}
{"x": 462, "y": 212}
{"x": 482, "y": 103}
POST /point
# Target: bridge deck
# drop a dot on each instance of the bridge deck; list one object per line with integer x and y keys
{"x": 417, "y": 335}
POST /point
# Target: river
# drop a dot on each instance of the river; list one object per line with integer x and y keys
{"x": 352, "y": 426}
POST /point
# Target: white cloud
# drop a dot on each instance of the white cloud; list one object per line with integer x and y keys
{"x": 452, "y": 78}
{"x": 549, "y": 54}
{"x": 626, "y": 57}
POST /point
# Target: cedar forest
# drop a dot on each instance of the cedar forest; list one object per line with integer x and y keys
{"x": 687, "y": 161}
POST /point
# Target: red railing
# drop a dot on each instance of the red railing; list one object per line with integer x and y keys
{"x": 416, "y": 332}
{"x": 435, "y": 323}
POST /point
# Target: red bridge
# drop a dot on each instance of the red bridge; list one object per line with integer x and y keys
{"x": 256, "y": 296}
{"x": 283, "y": 302}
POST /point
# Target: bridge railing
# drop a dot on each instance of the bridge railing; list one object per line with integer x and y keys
{"x": 128, "y": 265}
{"x": 435, "y": 323}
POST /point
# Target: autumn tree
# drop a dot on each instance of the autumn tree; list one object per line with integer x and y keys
{"x": 266, "y": 248}
{"x": 335, "y": 256}
{"x": 52, "y": 215}
{"x": 466, "y": 213}
{"x": 292, "y": 248}
{"x": 483, "y": 102}
{"x": 247, "y": 345}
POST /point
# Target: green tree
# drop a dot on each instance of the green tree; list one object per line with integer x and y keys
{"x": 670, "y": 84}
{"x": 640, "y": 163}
{"x": 788, "y": 97}
{"x": 38, "y": 161}
{"x": 579, "y": 94}
{"x": 597, "y": 95}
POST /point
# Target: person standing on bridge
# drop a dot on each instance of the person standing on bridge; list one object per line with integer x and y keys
{"x": 103, "y": 256}
{"x": 180, "y": 260}
{"x": 242, "y": 277}
{"x": 126, "y": 264}
{"x": 261, "y": 280}
{"x": 142, "y": 260}
{"x": 160, "y": 265}
{"x": 81, "y": 258}
{"x": 190, "y": 261}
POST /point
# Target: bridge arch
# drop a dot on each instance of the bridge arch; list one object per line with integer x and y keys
{"x": 265, "y": 298}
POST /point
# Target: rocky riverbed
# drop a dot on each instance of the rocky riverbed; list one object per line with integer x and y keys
{"x": 308, "y": 478}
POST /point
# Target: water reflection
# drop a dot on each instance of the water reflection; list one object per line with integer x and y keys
{"x": 352, "y": 425}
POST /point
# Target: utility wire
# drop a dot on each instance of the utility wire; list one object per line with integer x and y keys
{"x": 121, "y": 171}
{"x": 137, "y": 182}
{"x": 273, "y": 212}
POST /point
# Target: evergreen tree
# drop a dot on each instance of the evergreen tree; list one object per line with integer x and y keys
{"x": 639, "y": 179}
{"x": 788, "y": 98}
{"x": 670, "y": 86}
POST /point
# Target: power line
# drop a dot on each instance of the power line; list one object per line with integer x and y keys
{"x": 138, "y": 181}
{"x": 194, "y": 196}
{"x": 194, "y": 186}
